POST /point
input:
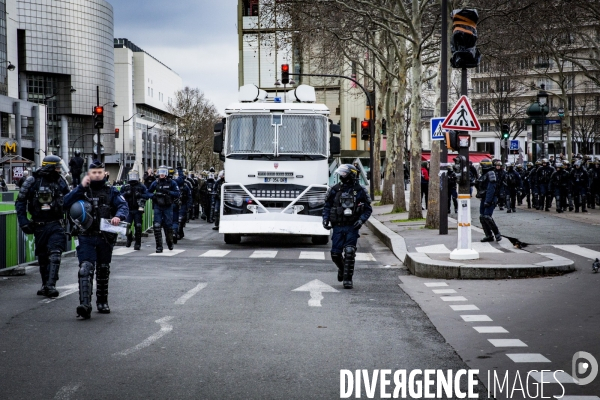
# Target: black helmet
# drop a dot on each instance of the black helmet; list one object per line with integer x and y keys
{"x": 212, "y": 169}
{"x": 81, "y": 215}
{"x": 348, "y": 173}
{"x": 50, "y": 163}
{"x": 486, "y": 164}
{"x": 77, "y": 153}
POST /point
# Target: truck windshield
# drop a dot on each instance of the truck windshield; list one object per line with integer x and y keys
{"x": 277, "y": 135}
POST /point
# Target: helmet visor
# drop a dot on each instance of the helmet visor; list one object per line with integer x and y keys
{"x": 163, "y": 171}
{"x": 133, "y": 176}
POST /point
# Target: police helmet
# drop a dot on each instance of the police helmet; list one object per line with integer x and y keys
{"x": 81, "y": 215}
{"x": 559, "y": 165}
{"x": 486, "y": 164}
{"x": 519, "y": 166}
{"x": 163, "y": 170}
{"x": 529, "y": 165}
{"x": 171, "y": 171}
{"x": 51, "y": 163}
{"x": 133, "y": 176}
{"x": 348, "y": 173}
{"x": 544, "y": 161}
{"x": 577, "y": 164}
{"x": 498, "y": 163}
{"x": 77, "y": 153}
{"x": 538, "y": 162}
{"x": 509, "y": 165}
{"x": 597, "y": 162}
{"x": 212, "y": 169}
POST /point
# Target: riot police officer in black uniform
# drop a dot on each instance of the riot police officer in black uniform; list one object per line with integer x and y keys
{"x": 164, "y": 193}
{"x": 559, "y": 184}
{"x": 95, "y": 198}
{"x": 76, "y": 167}
{"x": 347, "y": 208}
{"x": 488, "y": 191}
{"x": 136, "y": 194}
{"x": 42, "y": 195}
{"x": 514, "y": 186}
{"x": 579, "y": 185}
{"x": 217, "y": 205}
{"x": 210, "y": 196}
{"x": 544, "y": 173}
{"x": 195, "y": 197}
{"x": 452, "y": 188}
{"x": 594, "y": 174}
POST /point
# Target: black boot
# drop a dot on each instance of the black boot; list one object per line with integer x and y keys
{"x": 509, "y": 211}
{"x": 174, "y": 237}
{"x": 158, "y": 238}
{"x": 44, "y": 275}
{"x": 338, "y": 260}
{"x": 181, "y": 234}
{"x": 86, "y": 277}
{"x": 349, "y": 255}
{"x": 514, "y": 210}
{"x": 138, "y": 239}
{"x": 129, "y": 239}
{"x": 169, "y": 238}
{"x": 53, "y": 268}
{"x": 489, "y": 237}
{"x": 102, "y": 288}
{"x": 494, "y": 229}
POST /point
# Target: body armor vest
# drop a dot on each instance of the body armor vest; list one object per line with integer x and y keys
{"x": 544, "y": 174}
{"x": 132, "y": 194}
{"x": 47, "y": 202}
{"x": 100, "y": 200}
{"x": 163, "y": 199}
{"x": 578, "y": 177}
{"x": 346, "y": 210}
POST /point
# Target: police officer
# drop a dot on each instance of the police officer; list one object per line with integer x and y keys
{"x": 76, "y": 167}
{"x": 42, "y": 195}
{"x": 543, "y": 179}
{"x": 347, "y": 208}
{"x": 502, "y": 188}
{"x": 514, "y": 185}
{"x": 210, "y": 196}
{"x": 525, "y": 188}
{"x": 164, "y": 193}
{"x": 559, "y": 184}
{"x": 136, "y": 194}
{"x": 217, "y": 206}
{"x": 149, "y": 178}
{"x": 195, "y": 197}
{"x": 488, "y": 191}
{"x": 533, "y": 184}
{"x": 594, "y": 174}
{"x": 579, "y": 185}
{"x": 473, "y": 176}
{"x": 181, "y": 208}
{"x": 103, "y": 202}
{"x": 452, "y": 186}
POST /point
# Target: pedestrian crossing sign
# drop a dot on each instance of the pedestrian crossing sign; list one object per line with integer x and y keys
{"x": 462, "y": 117}
{"x": 437, "y": 133}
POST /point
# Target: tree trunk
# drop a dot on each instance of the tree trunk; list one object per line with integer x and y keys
{"x": 376, "y": 162}
{"x": 415, "y": 211}
{"x": 387, "y": 195}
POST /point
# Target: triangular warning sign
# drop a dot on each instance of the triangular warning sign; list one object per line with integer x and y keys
{"x": 462, "y": 117}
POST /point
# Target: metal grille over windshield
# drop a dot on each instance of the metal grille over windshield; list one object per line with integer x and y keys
{"x": 251, "y": 134}
{"x": 300, "y": 134}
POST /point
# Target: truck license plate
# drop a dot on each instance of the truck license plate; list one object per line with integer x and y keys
{"x": 275, "y": 180}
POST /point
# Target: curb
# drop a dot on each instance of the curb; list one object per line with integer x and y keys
{"x": 421, "y": 265}
{"x": 391, "y": 239}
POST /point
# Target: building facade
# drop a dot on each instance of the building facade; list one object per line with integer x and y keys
{"x": 145, "y": 88}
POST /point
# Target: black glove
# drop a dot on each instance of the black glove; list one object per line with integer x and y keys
{"x": 358, "y": 224}
{"x": 326, "y": 224}
{"x": 28, "y": 228}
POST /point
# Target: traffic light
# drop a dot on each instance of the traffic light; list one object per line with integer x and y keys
{"x": 98, "y": 117}
{"x": 365, "y": 133}
{"x": 452, "y": 141}
{"x": 505, "y": 131}
{"x": 464, "y": 39}
{"x": 285, "y": 74}
{"x": 383, "y": 127}
{"x": 116, "y": 133}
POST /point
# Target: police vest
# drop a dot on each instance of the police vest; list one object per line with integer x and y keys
{"x": 46, "y": 203}
{"x": 544, "y": 175}
{"x": 346, "y": 210}
{"x": 161, "y": 196}
{"x": 101, "y": 200}
{"x": 132, "y": 193}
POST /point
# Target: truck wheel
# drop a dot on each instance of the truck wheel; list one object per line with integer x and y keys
{"x": 231, "y": 238}
{"x": 321, "y": 239}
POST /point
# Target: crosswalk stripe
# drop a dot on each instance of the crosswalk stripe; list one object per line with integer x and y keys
{"x": 464, "y": 307}
{"x": 215, "y": 253}
{"x": 528, "y": 358}
{"x": 312, "y": 255}
{"x": 167, "y": 253}
{"x": 435, "y": 284}
{"x": 364, "y": 257}
{"x": 507, "y": 343}
{"x": 263, "y": 254}
{"x": 580, "y": 251}
{"x": 453, "y": 298}
{"x": 552, "y": 377}
{"x": 476, "y": 318}
{"x": 121, "y": 251}
{"x": 490, "y": 329}
{"x": 444, "y": 291}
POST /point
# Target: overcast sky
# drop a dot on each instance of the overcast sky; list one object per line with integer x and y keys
{"x": 195, "y": 38}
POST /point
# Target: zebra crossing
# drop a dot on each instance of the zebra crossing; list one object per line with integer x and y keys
{"x": 288, "y": 254}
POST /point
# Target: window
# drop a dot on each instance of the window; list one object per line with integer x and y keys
{"x": 482, "y": 87}
{"x": 503, "y": 85}
{"x": 503, "y": 107}
{"x": 486, "y": 147}
{"x": 525, "y": 63}
{"x": 250, "y": 8}
{"x": 148, "y": 91}
{"x": 486, "y": 127}
{"x": 482, "y": 108}
{"x": 483, "y": 67}
{"x": 569, "y": 82}
{"x": 353, "y": 126}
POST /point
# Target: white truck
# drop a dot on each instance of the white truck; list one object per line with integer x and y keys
{"x": 276, "y": 155}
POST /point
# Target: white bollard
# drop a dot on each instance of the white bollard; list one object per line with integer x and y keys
{"x": 463, "y": 249}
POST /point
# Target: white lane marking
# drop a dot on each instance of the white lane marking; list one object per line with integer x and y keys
{"x": 453, "y": 298}
{"x": 578, "y": 398}
{"x": 190, "y": 293}
{"x": 64, "y": 291}
{"x": 435, "y": 284}
{"x": 490, "y": 329}
{"x": 444, "y": 291}
{"x": 580, "y": 251}
{"x": 484, "y": 248}
{"x": 553, "y": 377}
{"x": 315, "y": 288}
{"x": 167, "y": 253}
{"x": 312, "y": 255}
{"x": 464, "y": 307}
{"x": 476, "y": 318}
{"x": 433, "y": 249}
{"x": 364, "y": 257}
{"x": 263, "y": 254}
{"x": 121, "y": 251}
{"x": 507, "y": 343}
{"x": 165, "y": 328}
{"x": 506, "y": 244}
{"x": 528, "y": 358}
{"x": 65, "y": 392}
{"x": 215, "y": 253}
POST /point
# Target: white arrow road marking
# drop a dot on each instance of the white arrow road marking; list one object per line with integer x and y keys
{"x": 315, "y": 288}
{"x": 65, "y": 392}
{"x": 64, "y": 291}
{"x": 190, "y": 294}
{"x": 165, "y": 328}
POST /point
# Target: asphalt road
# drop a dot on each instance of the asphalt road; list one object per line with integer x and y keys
{"x": 229, "y": 326}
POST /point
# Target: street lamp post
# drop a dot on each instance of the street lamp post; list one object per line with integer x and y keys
{"x": 542, "y": 98}
{"x": 149, "y": 141}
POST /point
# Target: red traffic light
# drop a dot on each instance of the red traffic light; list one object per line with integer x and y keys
{"x": 364, "y": 124}
{"x": 285, "y": 74}
{"x": 116, "y": 133}
{"x": 285, "y": 68}
{"x": 98, "y": 110}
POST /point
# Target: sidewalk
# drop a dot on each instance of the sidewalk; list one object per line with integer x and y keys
{"x": 426, "y": 253}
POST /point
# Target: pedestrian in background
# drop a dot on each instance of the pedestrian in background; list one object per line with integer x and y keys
{"x": 76, "y": 167}
{"x": 424, "y": 184}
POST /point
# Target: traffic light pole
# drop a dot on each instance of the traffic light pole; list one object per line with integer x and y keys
{"x": 444, "y": 112}
{"x": 98, "y": 144}
{"x": 372, "y": 119}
